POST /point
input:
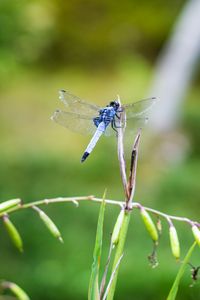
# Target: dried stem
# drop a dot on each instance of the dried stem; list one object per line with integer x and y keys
{"x": 129, "y": 187}
{"x": 120, "y": 151}
{"x": 133, "y": 170}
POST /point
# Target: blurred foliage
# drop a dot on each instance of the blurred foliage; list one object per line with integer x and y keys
{"x": 191, "y": 122}
{"x": 83, "y": 32}
{"x": 41, "y": 160}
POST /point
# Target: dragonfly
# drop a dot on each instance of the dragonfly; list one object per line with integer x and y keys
{"x": 87, "y": 118}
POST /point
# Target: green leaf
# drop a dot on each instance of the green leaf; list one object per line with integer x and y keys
{"x": 174, "y": 290}
{"x": 118, "y": 254}
{"x": 93, "y": 293}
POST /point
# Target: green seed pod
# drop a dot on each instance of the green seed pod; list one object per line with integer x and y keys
{"x": 13, "y": 233}
{"x": 16, "y": 290}
{"x": 117, "y": 227}
{"x": 151, "y": 228}
{"x": 174, "y": 241}
{"x": 196, "y": 233}
{"x": 49, "y": 224}
{"x": 4, "y": 206}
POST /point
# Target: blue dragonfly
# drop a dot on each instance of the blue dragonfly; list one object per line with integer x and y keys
{"x": 86, "y": 118}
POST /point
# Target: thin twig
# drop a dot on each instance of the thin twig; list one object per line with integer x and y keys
{"x": 112, "y": 277}
{"x": 133, "y": 170}
{"x": 74, "y": 200}
{"x": 121, "y": 204}
{"x": 166, "y": 216}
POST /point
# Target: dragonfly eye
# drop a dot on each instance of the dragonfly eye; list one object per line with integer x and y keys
{"x": 114, "y": 104}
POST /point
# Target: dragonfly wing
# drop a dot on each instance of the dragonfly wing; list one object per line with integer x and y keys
{"x": 134, "y": 116}
{"x": 109, "y": 131}
{"x": 133, "y": 124}
{"x": 75, "y": 122}
{"x": 139, "y": 108}
{"x": 77, "y": 105}
{"x": 129, "y": 126}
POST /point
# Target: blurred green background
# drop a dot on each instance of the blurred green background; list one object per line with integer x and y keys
{"x": 96, "y": 49}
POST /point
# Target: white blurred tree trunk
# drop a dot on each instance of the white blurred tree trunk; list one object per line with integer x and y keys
{"x": 175, "y": 67}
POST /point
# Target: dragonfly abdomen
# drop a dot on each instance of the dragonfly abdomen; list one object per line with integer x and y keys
{"x": 100, "y": 130}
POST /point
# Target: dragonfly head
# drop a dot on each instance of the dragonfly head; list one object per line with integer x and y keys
{"x": 114, "y": 104}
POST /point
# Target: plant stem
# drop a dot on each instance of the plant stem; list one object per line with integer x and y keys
{"x": 103, "y": 281}
{"x": 76, "y": 200}
{"x": 120, "y": 151}
{"x": 112, "y": 277}
{"x": 119, "y": 253}
{"x": 133, "y": 170}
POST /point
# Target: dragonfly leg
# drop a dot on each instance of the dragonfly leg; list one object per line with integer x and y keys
{"x": 114, "y": 123}
{"x": 116, "y": 115}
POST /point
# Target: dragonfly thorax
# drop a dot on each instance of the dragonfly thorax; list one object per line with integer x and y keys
{"x": 106, "y": 115}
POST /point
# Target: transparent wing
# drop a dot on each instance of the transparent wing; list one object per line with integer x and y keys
{"x": 77, "y": 105}
{"x": 75, "y": 122}
{"x": 131, "y": 125}
{"x": 109, "y": 131}
{"x": 139, "y": 108}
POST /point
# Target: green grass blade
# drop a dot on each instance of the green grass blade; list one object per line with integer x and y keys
{"x": 174, "y": 289}
{"x": 93, "y": 293}
{"x": 118, "y": 254}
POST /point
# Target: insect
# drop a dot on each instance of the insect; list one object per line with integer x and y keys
{"x": 194, "y": 273}
{"x": 85, "y": 118}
